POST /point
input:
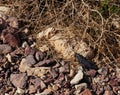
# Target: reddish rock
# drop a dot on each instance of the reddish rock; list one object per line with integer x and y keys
{"x": 29, "y": 51}
{"x": 19, "y": 80}
{"x": 113, "y": 82}
{"x": 38, "y": 83}
{"x": 11, "y": 39}
{"x": 47, "y": 62}
{"x": 109, "y": 93}
{"x": 5, "y": 48}
{"x": 40, "y": 55}
{"x": 92, "y": 72}
{"x": 86, "y": 92}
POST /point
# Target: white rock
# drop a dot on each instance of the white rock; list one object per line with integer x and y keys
{"x": 4, "y": 9}
{"x": 45, "y": 33}
{"x": 24, "y": 44}
{"x": 19, "y": 91}
{"x": 33, "y": 45}
{"x": 6, "y": 94}
{"x": 79, "y": 87}
{"x": 78, "y": 77}
{"x": 8, "y": 56}
{"x": 45, "y": 92}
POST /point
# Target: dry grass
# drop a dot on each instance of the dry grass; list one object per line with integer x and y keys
{"x": 95, "y": 22}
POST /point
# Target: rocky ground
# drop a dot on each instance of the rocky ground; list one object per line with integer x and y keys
{"x": 25, "y": 70}
{"x": 28, "y": 67}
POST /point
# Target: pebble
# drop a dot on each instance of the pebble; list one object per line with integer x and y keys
{"x": 19, "y": 91}
{"x": 31, "y": 89}
{"x": 118, "y": 72}
{"x": 13, "y": 22}
{"x": 30, "y": 60}
{"x": 77, "y": 78}
{"x": 103, "y": 71}
{"x": 5, "y": 9}
{"x": 23, "y": 67}
{"x": 92, "y": 72}
{"x": 5, "y": 48}
{"x": 8, "y": 56}
{"x": 109, "y": 93}
{"x": 24, "y": 44}
{"x": 86, "y": 92}
{"x": 19, "y": 80}
{"x": 80, "y": 87}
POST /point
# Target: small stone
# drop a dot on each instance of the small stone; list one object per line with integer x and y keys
{"x": 24, "y": 44}
{"x": 8, "y": 56}
{"x": 108, "y": 87}
{"x": 77, "y": 78}
{"x": 113, "y": 82}
{"x": 109, "y": 93}
{"x": 4, "y": 49}
{"x": 31, "y": 89}
{"x": 40, "y": 55}
{"x": 19, "y": 91}
{"x": 99, "y": 90}
{"x": 80, "y": 87}
{"x": 55, "y": 87}
{"x": 71, "y": 73}
{"x": 45, "y": 33}
{"x": 44, "y": 48}
{"x": 115, "y": 89}
{"x": 91, "y": 72}
{"x": 13, "y": 22}
{"x": 26, "y": 31}
{"x": 38, "y": 71}
{"x": 47, "y": 62}
{"x": 61, "y": 69}
{"x": 47, "y": 91}
{"x": 23, "y": 65}
{"x": 86, "y": 92}
{"x": 19, "y": 80}
{"x": 42, "y": 85}
{"x": 29, "y": 51}
{"x": 54, "y": 73}
{"x": 103, "y": 71}
{"x": 118, "y": 72}
{"x": 30, "y": 60}
{"x": 4, "y": 9}
{"x": 11, "y": 38}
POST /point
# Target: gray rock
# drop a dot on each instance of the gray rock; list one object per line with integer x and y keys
{"x": 103, "y": 71}
{"x": 30, "y": 60}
